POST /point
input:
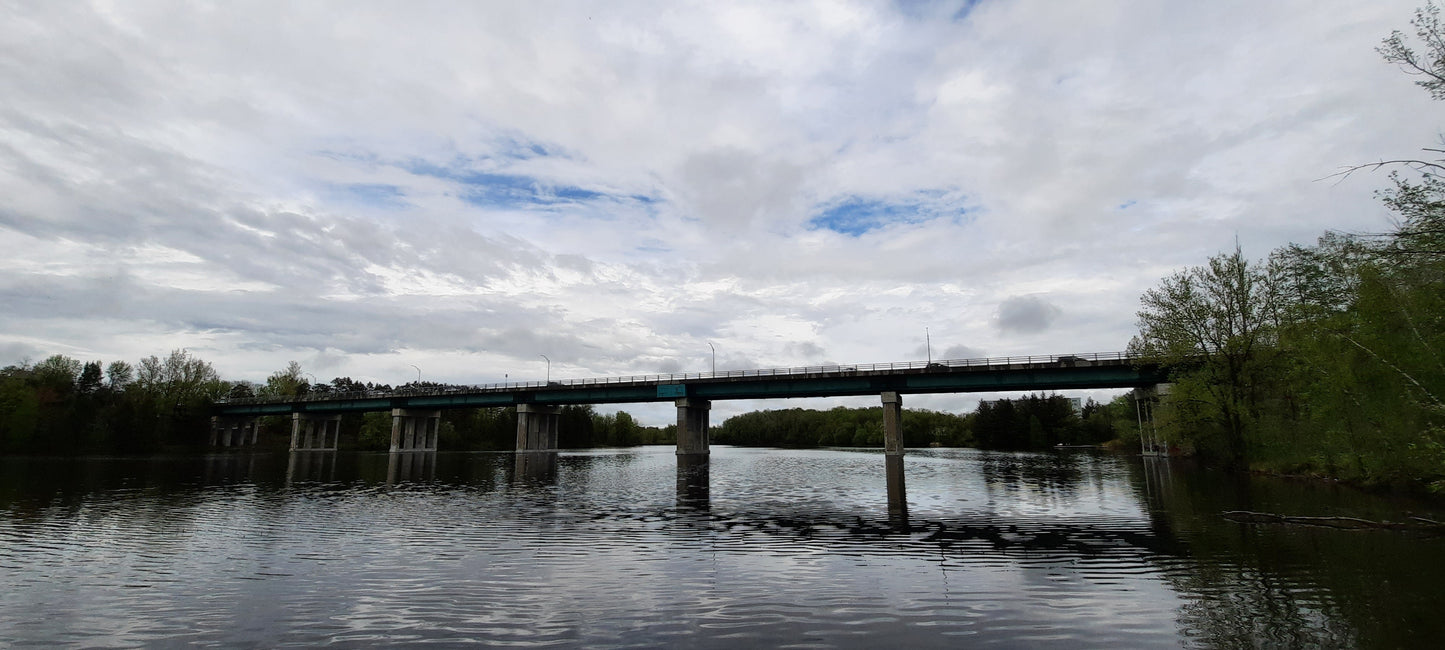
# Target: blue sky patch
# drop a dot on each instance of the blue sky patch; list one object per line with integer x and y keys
{"x": 496, "y": 190}
{"x": 1127, "y": 204}
{"x": 857, "y": 215}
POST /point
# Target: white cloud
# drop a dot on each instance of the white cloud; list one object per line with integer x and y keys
{"x": 466, "y": 186}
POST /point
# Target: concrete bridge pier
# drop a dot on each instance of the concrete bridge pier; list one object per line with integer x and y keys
{"x": 415, "y": 430}
{"x": 227, "y": 431}
{"x": 692, "y": 426}
{"x": 310, "y": 432}
{"x": 537, "y": 427}
{"x": 892, "y": 424}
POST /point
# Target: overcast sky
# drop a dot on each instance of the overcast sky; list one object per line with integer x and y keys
{"x": 466, "y": 186}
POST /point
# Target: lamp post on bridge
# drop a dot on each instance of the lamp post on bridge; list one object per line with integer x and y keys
{"x": 714, "y": 357}
{"x": 549, "y": 367}
{"x": 418, "y": 374}
{"x": 928, "y": 345}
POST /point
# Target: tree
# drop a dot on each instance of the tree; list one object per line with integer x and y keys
{"x": 290, "y": 382}
{"x": 119, "y": 374}
{"x": 58, "y": 372}
{"x": 179, "y": 391}
{"x": 1429, "y": 64}
{"x": 90, "y": 378}
{"x": 1217, "y": 320}
{"x": 1420, "y": 202}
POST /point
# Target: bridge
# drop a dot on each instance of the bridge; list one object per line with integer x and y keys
{"x": 416, "y": 413}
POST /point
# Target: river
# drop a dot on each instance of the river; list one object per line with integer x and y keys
{"x": 757, "y": 547}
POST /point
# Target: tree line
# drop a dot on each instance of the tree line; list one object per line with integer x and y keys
{"x": 62, "y": 405}
{"x": 1326, "y": 358}
{"x": 65, "y": 406}
{"x": 1032, "y": 422}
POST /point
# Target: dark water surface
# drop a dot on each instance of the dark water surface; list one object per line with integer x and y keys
{"x": 627, "y": 548}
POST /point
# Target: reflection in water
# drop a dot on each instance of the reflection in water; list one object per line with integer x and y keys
{"x": 404, "y": 466}
{"x": 897, "y": 495}
{"x": 228, "y": 468}
{"x": 1283, "y": 585}
{"x": 694, "y": 482}
{"x": 313, "y": 465}
{"x": 538, "y": 467}
{"x": 794, "y": 546}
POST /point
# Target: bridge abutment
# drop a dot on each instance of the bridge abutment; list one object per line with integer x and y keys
{"x": 692, "y": 426}
{"x": 415, "y": 430}
{"x": 310, "y": 432}
{"x": 537, "y": 427}
{"x": 892, "y": 424}
{"x": 1151, "y": 443}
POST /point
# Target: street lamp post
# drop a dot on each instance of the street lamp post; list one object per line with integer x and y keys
{"x": 714, "y": 357}
{"x": 418, "y": 374}
{"x": 928, "y": 345}
{"x": 549, "y": 367}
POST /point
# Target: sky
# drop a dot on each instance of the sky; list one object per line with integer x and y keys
{"x": 455, "y": 189}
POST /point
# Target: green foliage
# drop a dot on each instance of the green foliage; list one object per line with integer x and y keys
{"x": 839, "y": 427}
{"x": 290, "y": 382}
{"x": 483, "y": 429}
{"x": 1034, "y": 422}
{"x": 1341, "y": 370}
{"x": 619, "y": 430}
{"x": 62, "y": 405}
{"x": 1219, "y": 321}
{"x": 1430, "y": 64}
{"x": 375, "y": 434}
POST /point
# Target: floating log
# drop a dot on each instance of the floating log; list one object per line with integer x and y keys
{"x": 1350, "y": 523}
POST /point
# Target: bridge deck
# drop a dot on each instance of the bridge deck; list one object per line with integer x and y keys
{"x": 1053, "y": 372}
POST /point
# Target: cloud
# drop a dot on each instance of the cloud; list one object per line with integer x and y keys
{"x": 1025, "y": 315}
{"x": 467, "y": 187}
{"x": 962, "y": 352}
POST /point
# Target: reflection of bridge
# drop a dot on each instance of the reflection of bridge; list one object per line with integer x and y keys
{"x": 416, "y": 413}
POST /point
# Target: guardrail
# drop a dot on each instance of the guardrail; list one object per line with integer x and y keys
{"x": 840, "y": 370}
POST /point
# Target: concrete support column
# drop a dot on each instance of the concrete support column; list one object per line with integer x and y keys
{"x": 333, "y": 424}
{"x": 537, "y": 427}
{"x": 692, "y": 426}
{"x": 413, "y": 430}
{"x": 1151, "y": 442}
{"x": 892, "y": 424}
{"x": 313, "y": 432}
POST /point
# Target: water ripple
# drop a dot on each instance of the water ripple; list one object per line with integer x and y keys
{"x": 796, "y": 549}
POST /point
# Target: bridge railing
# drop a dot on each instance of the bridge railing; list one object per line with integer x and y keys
{"x": 842, "y": 370}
